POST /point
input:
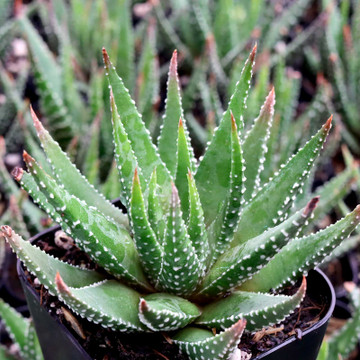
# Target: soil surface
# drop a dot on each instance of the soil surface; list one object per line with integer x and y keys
{"x": 105, "y": 344}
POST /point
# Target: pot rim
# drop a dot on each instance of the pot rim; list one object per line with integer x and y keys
{"x": 320, "y": 323}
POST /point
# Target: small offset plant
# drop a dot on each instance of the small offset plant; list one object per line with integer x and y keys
{"x": 341, "y": 343}
{"x": 22, "y": 333}
{"x": 203, "y": 244}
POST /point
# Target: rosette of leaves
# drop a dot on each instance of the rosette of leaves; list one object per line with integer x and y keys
{"x": 22, "y": 333}
{"x": 340, "y": 344}
{"x": 202, "y": 245}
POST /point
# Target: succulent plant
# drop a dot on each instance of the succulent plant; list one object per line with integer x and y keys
{"x": 203, "y": 243}
{"x": 22, "y": 333}
{"x": 340, "y": 344}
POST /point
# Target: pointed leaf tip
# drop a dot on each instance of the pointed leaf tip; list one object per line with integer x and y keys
{"x": 27, "y": 158}
{"x": 36, "y": 121}
{"x": 327, "y": 125}
{"x": 239, "y": 327}
{"x": 105, "y": 57}
{"x": 311, "y": 205}
{"x": 357, "y": 210}
{"x": 173, "y": 64}
{"x": 143, "y": 306}
{"x": 181, "y": 125}
{"x": 17, "y": 173}
{"x": 7, "y": 230}
{"x": 60, "y": 284}
{"x": 136, "y": 176}
{"x": 253, "y": 53}
{"x": 233, "y": 122}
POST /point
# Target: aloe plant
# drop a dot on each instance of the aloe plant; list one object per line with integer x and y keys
{"x": 202, "y": 243}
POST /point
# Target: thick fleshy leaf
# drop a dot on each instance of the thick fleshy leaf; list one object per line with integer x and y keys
{"x": 254, "y": 147}
{"x": 258, "y": 309}
{"x": 118, "y": 308}
{"x": 181, "y": 269}
{"x": 16, "y": 325}
{"x": 196, "y": 225}
{"x": 212, "y": 176}
{"x": 173, "y": 112}
{"x": 302, "y": 254}
{"x": 140, "y": 139}
{"x": 45, "y": 266}
{"x": 69, "y": 175}
{"x": 222, "y": 229}
{"x": 106, "y": 242}
{"x": 147, "y": 245}
{"x": 199, "y": 343}
{"x": 272, "y": 203}
{"x": 238, "y": 264}
{"x": 155, "y": 211}
{"x": 32, "y": 349}
{"x": 182, "y": 167}
{"x": 165, "y": 312}
{"x": 124, "y": 155}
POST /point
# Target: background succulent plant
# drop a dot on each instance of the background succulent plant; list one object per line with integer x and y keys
{"x": 198, "y": 230}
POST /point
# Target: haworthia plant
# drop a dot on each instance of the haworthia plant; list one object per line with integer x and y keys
{"x": 197, "y": 247}
{"x": 22, "y": 333}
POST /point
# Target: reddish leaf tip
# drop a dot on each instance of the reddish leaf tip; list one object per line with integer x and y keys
{"x": 105, "y": 57}
{"x": 253, "y": 53}
{"x": 136, "y": 176}
{"x": 357, "y": 211}
{"x": 173, "y": 65}
{"x": 17, "y": 173}
{"x": 181, "y": 125}
{"x": 311, "y": 205}
{"x": 239, "y": 327}
{"x": 327, "y": 125}
{"x": 36, "y": 121}
{"x": 233, "y": 122}
{"x": 7, "y": 230}
{"x": 143, "y": 306}
{"x": 60, "y": 284}
{"x": 190, "y": 174}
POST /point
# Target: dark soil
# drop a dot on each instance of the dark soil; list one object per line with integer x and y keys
{"x": 105, "y": 344}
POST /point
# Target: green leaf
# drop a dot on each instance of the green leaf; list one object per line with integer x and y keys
{"x": 139, "y": 137}
{"x": 197, "y": 342}
{"x": 181, "y": 269}
{"x": 118, "y": 308}
{"x": 106, "y": 242}
{"x": 169, "y": 131}
{"x": 222, "y": 230}
{"x": 238, "y": 264}
{"x": 302, "y": 254}
{"x": 69, "y": 175}
{"x": 147, "y": 245}
{"x": 215, "y": 167}
{"x": 182, "y": 167}
{"x": 258, "y": 309}
{"x": 273, "y": 201}
{"x": 111, "y": 188}
{"x": 45, "y": 266}
{"x": 254, "y": 147}
{"x": 165, "y": 312}
{"x": 196, "y": 226}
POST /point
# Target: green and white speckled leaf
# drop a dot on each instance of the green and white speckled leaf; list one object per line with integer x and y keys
{"x": 147, "y": 245}
{"x": 222, "y": 229}
{"x": 16, "y": 325}
{"x": 69, "y": 175}
{"x": 258, "y": 309}
{"x": 124, "y": 155}
{"x": 118, "y": 308}
{"x": 165, "y": 312}
{"x": 201, "y": 344}
{"x": 155, "y": 212}
{"x": 344, "y": 341}
{"x": 32, "y": 349}
{"x": 173, "y": 112}
{"x": 272, "y": 203}
{"x": 106, "y": 242}
{"x": 254, "y": 146}
{"x": 238, "y": 264}
{"x": 302, "y": 254}
{"x": 213, "y": 174}
{"x": 183, "y": 165}
{"x": 45, "y": 266}
{"x": 196, "y": 226}
{"x": 181, "y": 269}
{"x": 140, "y": 139}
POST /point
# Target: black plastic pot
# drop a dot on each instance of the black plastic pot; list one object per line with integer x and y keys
{"x": 58, "y": 343}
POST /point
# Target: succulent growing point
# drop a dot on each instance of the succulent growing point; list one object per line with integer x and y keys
{"x": 203, "y": 242}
